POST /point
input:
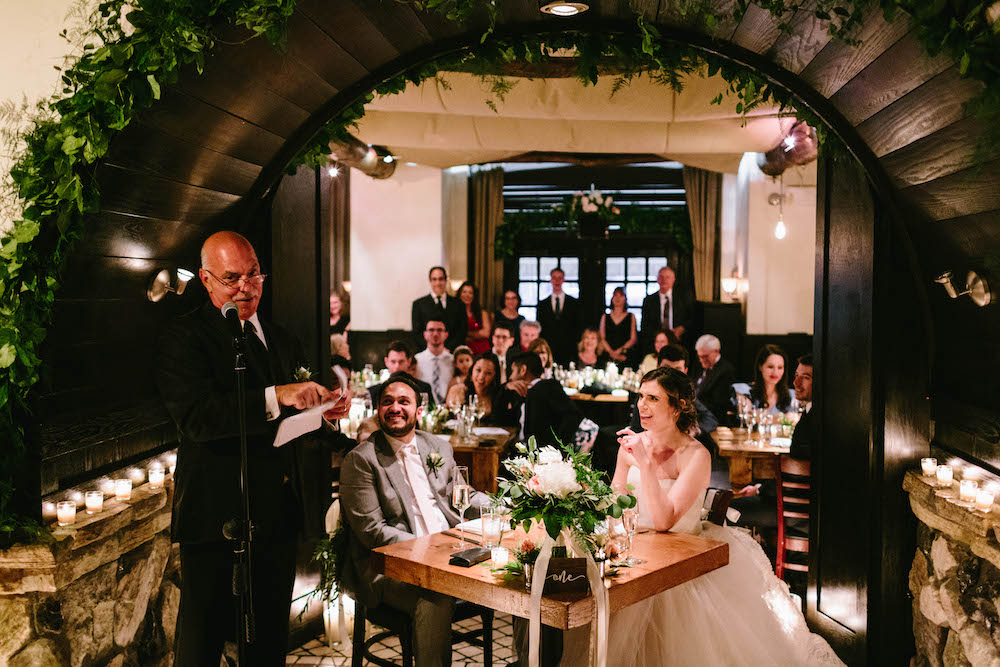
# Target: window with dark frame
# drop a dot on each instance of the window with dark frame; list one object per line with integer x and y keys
{"x": 533, "y": 280}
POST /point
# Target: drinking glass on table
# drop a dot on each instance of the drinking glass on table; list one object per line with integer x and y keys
{"x": 461, "y": 498}
{"x": 493, "y": 522}
{"x": 630, "y": 522}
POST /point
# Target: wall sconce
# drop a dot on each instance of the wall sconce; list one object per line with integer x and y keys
{"x": 975, "y": 286}
{"x": 730, "y": 285}
{"x": 161, "y": 283}
{"x": 455, "y": 284}
{"x": 563, "y": 9}
{"x": 346, "y": 285}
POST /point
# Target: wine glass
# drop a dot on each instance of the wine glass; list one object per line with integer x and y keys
{"x": 461, "y": 498}
{"x": 630, "y": 522}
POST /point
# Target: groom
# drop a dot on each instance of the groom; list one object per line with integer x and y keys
{"x": 390, "y": 492}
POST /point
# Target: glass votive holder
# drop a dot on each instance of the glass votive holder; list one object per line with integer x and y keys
{"x": 123, "y": 489}
{"x": 928, "y": 466}
{"x": 94, "y": 501}
{"x": 155, "y": 476}
{"x": 65, "y": 512}
{"x": 171, "y": 462}
{"x": 984, "y": 500}
{"x": 48, "y": 510}
{"x": 967, "y": 489}
{"x": 500, "y": 556}
{"x": 944, "y": 475}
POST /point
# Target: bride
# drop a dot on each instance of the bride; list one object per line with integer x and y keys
{"x": 740, "y": 614}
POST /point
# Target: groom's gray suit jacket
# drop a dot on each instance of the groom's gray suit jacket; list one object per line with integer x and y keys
{"x": 375, "y": 500}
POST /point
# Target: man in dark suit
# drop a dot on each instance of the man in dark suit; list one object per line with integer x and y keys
{"x": 390, "y": 493}
{"x": 439, "y": 306}
{"x": 196, "y": 381}
{"x": 714, "y": 386}
{"x": 546, "y": 411}
{"x": 559, "y": 315}
{"x": 503, "y": 348}
{"x": 399, "y": 359}
{"x": 666, "y": 309}
{"x": 805, "y": 437}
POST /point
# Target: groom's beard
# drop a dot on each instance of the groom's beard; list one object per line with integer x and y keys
{"x": 399, "y": 431}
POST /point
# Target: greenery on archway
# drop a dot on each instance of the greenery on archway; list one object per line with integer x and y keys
{"x": 121, "y": 71}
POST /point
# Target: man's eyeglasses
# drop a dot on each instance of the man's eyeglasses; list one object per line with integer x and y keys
{"x": 253, "y": 278}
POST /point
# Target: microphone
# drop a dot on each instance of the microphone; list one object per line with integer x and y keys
{"x": 232, "y": 314}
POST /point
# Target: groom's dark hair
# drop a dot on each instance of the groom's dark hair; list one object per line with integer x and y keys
{"x": 400, "y": 377}
{"x": 531, "y": 361}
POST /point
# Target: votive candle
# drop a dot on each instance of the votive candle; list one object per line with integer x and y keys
{"x": 500, "y": 556}
{"x": 967, "y": 490}
{"x": 94, "y": 501}
{"x": 171, "y": 463}
{"x": 48, "y": 510}
{"x": 928, "y": 466}
{"x": 984, "y": 500}
{"x": 155, "y": 475}
{"x": 123, "y": 489}
{"x": 944, "y": 475}
{"x": 65, "y": 512}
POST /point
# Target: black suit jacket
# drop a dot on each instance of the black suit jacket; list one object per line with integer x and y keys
{"x": 680, "y": 302}
{"x": 195, "y": 378}
{"x": 562, "y": 333}
{"x": 715, "y": 387}
{"x": 424, "y": 309}
{"x": 547, "y": 408}
{"x": 375, "y": 391}
{"x": 805, "y": 437}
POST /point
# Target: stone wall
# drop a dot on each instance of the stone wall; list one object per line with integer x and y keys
{"x": 954, "y": 579}
{"x": 103, "y": 592}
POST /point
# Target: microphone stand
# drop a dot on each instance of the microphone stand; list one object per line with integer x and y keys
{"x": 240, "y": 531}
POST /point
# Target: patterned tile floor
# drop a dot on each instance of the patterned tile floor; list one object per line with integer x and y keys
{"x": 316, "y": 652}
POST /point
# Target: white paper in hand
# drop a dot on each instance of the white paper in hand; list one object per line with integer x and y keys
{"x": 300, "y": 424}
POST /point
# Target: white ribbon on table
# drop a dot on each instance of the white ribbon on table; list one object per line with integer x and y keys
{"x": 601, "y": 606}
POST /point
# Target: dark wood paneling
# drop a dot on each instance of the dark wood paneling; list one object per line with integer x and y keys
{"x": 225, "y": 88}
{"x": 972, "y": 190}
{"x": 182, "y": 161}
{"x": 921, "y": 112}
{"x": 798, "y": 45}
{"x": 363, "y": 41}
{"x": 312, "y": 47}
{"x": 974, "y": 234}
{"x": 188, "y": 118}
{"x": 900, "y": 69}
{"x": 944, "y": 152}
{"x": 121, "y": 235}
{"x": 612, "y": 9}
{"x": 757, "y": 31}
{"x": 838, "y": 62}
{"x": 398, "y": 23}
{"x": 149, "y": 196}
{"x": 722, "y": 10}
{"x": 520, "y": 11}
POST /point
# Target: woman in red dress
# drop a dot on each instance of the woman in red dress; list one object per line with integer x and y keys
{"x": 478, "y": 336}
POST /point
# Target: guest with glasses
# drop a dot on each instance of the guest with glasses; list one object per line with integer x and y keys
{"x": 436, "y": 365}
{"x": 438, "y": 305}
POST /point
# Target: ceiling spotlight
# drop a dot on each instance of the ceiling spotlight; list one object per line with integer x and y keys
{"x": 334, "y": 172}
{"x": 564, "y": 9}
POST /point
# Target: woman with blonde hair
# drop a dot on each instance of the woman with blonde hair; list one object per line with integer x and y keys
{"x": 541, "y": 347}
{"x": 590, "y": 350}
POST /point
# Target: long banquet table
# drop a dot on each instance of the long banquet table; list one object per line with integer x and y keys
{"x": 669, "y": 560}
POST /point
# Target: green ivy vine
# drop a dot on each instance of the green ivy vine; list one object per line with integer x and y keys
{"x": 126, "y": 62}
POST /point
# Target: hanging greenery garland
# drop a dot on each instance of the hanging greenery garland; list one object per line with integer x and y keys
{"x": 122, "y": 69}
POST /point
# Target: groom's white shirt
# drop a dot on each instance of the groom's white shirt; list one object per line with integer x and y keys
{"x": 428, "y": 517}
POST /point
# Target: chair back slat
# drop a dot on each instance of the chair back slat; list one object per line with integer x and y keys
{"x": 793, "y": 503}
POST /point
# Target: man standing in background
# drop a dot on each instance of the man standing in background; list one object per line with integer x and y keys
{"x": 438, "y": 305}
{"x": 665, "y": 309}
{"x": 559, "y": 316}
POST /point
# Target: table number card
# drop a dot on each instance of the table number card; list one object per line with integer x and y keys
{"x": 566, "y": 575}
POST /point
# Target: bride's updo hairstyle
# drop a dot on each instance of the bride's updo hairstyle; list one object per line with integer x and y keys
{"x": 680, "y": 394}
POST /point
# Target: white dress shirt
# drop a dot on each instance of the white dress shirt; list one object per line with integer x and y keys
{"x": 441, "y": 365}
{"x": 663, "y": 302}
{"x": 443, "y": 298}
{"x": 558, "y": 301}
{"x": 272, "y": 410}
{"x": 428, "y": 517}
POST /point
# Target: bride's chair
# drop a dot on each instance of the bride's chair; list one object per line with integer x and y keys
{"x": 793, "y": 503}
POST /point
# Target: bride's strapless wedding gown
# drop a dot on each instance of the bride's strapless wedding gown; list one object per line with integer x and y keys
{"x": 739, "y": 614}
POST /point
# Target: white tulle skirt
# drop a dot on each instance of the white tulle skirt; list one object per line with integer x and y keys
{"x": 740, "y": 614}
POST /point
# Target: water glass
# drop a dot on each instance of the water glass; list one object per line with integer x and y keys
{"x": 493, "y": 523}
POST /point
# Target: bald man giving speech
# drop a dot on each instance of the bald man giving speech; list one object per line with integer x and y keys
{"x": 196, "y": 380}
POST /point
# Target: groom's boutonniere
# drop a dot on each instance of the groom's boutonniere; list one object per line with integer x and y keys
{"x": 434, "y": 461}
{"x": 302, "y": 374}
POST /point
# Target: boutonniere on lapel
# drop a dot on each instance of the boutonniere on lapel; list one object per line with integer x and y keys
{"x": 434, "y": 461}
{"x": 302, "y": 374}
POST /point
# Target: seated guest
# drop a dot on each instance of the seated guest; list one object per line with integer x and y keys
{"x": 617, "y": 328}
{"x": 713, "y": 386}
{"x": 340, "y": 321}
{"x": 435, "y": 365}
{"x": 463, "y": 364}
{"x": 477, "y": 320}
{"x": 662, "y": 338}
{"x": 805, "y": 437}
{"x": 340, "y": 352}
{"x": 399, "y": 359}
{"x": 388, "y": 494}
{"x": 441, "y": 306}
{"x": 589, "y": 351}
{"x": 503, "y": 342}
{"x": 541, "y": 347}
{"x": 770, "y": 383}
{"x": 484, "y": 382}
{"x": 508, "y": 315}
{"x": 530, "y": 331}
{"x": 546, "y": 411}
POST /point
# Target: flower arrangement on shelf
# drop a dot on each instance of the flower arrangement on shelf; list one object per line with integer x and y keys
{"x": 559, "y": 489}
{"x": 589, "y": 202}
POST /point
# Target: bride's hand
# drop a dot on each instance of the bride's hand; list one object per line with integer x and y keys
{"x": 636, "y": 444}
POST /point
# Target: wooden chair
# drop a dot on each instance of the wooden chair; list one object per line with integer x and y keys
{"x": 400, "y": 624}
{"x": 793, "y": 503}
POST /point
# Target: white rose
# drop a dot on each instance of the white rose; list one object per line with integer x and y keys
{"x": 557, "y": 479}
{"x": 549, "y": 454}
